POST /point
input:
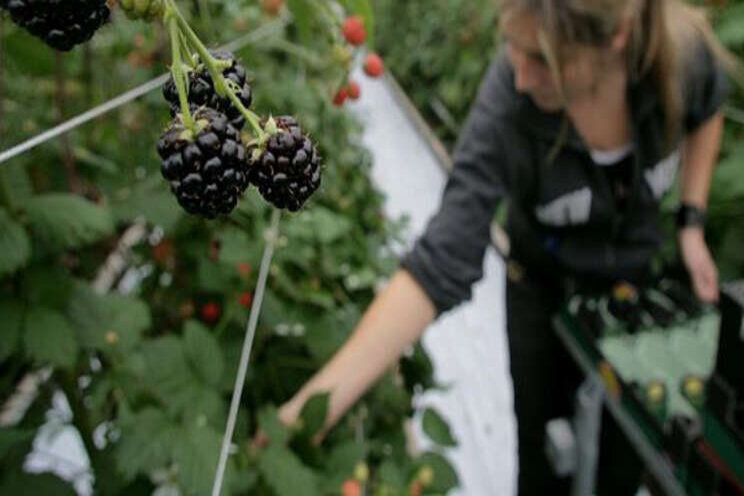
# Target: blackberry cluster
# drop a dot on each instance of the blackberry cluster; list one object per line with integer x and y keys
{"x": 288, "y": 171}
{"x": 202, "y": 92}
{"x": 207, "y": 174}
{"x": 62, "y": 24}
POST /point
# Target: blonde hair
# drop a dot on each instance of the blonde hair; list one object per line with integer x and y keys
{"x": 662, "y": 34}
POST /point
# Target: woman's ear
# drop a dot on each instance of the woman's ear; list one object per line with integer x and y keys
{"x": 622, "y": 35}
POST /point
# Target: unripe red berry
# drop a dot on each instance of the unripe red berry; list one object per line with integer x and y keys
{"x": 351, "y": 487}
{"x": 244, "y": 268}
{"x": 272, "y": 7}
{"x": 373, "y": 65}
{"x": 340, "y": 97}
{"x": 245, "y": 299}
{"x": 210, "y": 312}
{"x": 353, "y": 91}
{"x": 354, "y": 31}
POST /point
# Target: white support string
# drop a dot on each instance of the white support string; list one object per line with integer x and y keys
{"x": 271, "y": 237}
{"x": 131, "y": 95}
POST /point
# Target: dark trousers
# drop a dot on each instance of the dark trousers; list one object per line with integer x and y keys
{"x": 544, "y": 378}
{"x": 545, "y": 382}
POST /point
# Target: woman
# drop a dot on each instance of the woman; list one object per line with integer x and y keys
{"x": 580, "y": 125}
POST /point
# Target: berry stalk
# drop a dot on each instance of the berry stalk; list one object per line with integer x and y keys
{"x": 177, "y": 70}
{"x": 215, "y": 67}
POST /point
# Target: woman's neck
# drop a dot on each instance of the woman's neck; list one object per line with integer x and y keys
{"x": 602, "y": 117}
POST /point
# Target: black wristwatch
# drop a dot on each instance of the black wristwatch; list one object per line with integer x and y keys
{"x": 690, "y": 216}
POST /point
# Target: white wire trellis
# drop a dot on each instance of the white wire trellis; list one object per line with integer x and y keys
{"x": 271, "y": 235}
{"x": 129, "y": 96}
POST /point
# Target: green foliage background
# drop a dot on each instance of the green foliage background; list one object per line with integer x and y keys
{"x": 147, "y": 375}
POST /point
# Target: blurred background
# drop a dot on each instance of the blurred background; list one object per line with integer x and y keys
{"x": 123, "y": 317}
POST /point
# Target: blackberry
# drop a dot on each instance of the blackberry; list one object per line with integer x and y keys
{"x": 62, "y": 24}
{"x": 202, "y": 92}
{"x": 207, "y": 174}
{"x": 288, "y": 171}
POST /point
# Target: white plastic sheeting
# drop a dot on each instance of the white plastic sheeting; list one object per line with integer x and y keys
{"x": 467, "y": 345}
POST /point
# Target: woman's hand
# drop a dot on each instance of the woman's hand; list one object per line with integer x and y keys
{"x": 699, "y": 263}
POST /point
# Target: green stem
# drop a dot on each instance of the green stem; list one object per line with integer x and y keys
{"x": 213, "y": 64}
{"x": 331, "y": 16}
{"x": 177, "y": 70}
{"x": 207, "y": 16}
{"x": 300, "y": 52}
{"x": 223, "y": 323}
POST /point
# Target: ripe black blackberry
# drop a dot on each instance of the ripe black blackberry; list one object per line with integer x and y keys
{"x": 207, "y": 174}
{"x": 287, "y": 172}
{"x": 202, "y": 92}
{"x": 62, "y": 24}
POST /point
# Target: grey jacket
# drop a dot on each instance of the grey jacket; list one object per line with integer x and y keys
{"x": 562, "y": 216}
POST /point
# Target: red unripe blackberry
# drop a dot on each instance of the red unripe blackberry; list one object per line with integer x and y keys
{"x": 373, "y": 65}
{"x": 245, "y": 299}
{"x": 353, "y": 90}
{"x": 210, "y": 312}
{"x": 208, "y": 173}
{"x": 340, "y": 97}
{"x": 287, "y": 171}
{"x": 353, "y": 30}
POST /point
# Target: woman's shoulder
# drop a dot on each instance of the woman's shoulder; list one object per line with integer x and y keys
{"x": 497, "y": 86}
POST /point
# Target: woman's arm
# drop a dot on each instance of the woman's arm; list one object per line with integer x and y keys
{"x": 700, "y": 153}
{"x": 699, "y": 158}
{"x": 395, "y": 320}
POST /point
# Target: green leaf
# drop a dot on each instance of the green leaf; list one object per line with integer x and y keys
{"x": 64, "y": 221}
{"x": 195, "y": 453}
{"x": 345, "y": 456}
{"x": 203, "y": 352}
{"x": 286, "y": 474}
{"x": 23, "y": 483}
{"x": 47, "y": 285}
{"x": 314, "y": 413}
{"x": 236, "y": 246}
{"x": 341, "y": 463}
{"x": 10, "y": 438}
{"x": 729, "y": 29}
{"x": 324, "y": 336}
{"x": 147, "y": 441}
{"x": 437, "y": 428}
{"x": 108, "y": 321}
{"x": 319, "y": 224}
{"x": 445, "y": 477}
{"x": 150, "y": 200}
{"x": 48, "y": 338}
{"x": 389, "y": 474}
{"x": 95, "y": 161}
{"x": 268, "y": 421}
{"x": 168, "y": 374}
{"x": 18, "y": 183}
{"x": 303, "y": 14}
{"x": 213, "y": 277}
{"x": 11, "y": 315}
{"x": 15, "y": 247}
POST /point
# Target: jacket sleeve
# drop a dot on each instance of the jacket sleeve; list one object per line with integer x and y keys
{"x": 706, "y": 87}
{"x": 448, "y": 258}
